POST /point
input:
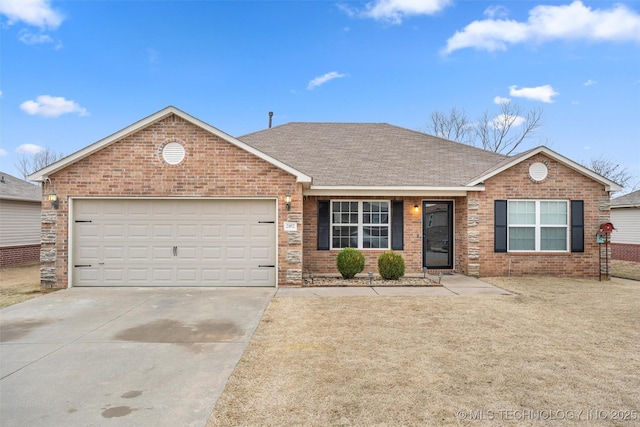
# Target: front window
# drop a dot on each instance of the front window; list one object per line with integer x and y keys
{"x": 360, "y": 224}
{"x": 538, "y": 225}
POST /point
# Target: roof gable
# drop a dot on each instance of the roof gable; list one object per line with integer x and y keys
{"x": 42, "y": 174}
{"x": 518, "y": 158}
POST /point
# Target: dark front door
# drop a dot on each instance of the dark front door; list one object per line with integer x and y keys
{"x": 437, "y": 234}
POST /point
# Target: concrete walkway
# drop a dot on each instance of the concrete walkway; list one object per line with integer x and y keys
{"x": 456, "y": 284}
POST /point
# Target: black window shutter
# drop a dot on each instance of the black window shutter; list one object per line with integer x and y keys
{"x": 397, "y": 225}
{"x": 577, "y": 226}
{"x": 324, "y": 217}
{"x": 500, "y": 226}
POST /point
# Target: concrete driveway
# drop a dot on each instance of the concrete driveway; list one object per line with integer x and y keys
{"x": 121, "y": 356}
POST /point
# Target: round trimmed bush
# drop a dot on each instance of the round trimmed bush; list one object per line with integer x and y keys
{"x": 350, "y": 262}
{"x": 391, "y": 266}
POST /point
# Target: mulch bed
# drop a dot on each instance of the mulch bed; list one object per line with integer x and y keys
{"x": 376, "y": 281}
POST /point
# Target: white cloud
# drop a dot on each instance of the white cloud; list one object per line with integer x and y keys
{"x": 500, "y": 100}
{"x": 37, "y": 13}
{"x": 546, "y": 23}
{"x": 496, "y": 11}
{"x": 3, "y": 152}
{"x": 394, "y": 11}
{"x": 30, "y": 38}
{"x": 541, "y": 93}
{"x": 52, "y": 106}
{"x": 323, "y": 79}
{"x": 504, "y": 120}
{"x": 590, "y": 82}
{"x": 29, "y": 149}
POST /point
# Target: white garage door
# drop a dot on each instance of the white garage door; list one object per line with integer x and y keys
{"x": 120, "y": 242}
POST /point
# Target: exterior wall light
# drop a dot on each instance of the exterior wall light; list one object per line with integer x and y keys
{"x": 416, "y": 208}
{"x": 287, "y": 201}
{"x": 53, "y": 198}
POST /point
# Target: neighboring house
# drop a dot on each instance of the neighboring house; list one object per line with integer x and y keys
{"x": 173, "y": 201}
{"x": 19, "y": 221}
{"x": 625, "y": 217}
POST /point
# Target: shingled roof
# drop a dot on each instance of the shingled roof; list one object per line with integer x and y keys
{"x": 372, "y": 154}
{"x": 12, "y": 188}
{"x": 631, "y": 200}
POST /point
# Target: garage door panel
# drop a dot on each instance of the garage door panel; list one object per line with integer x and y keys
{"x": 187, "y": 231}
{"x": 138, "y": 276}
{"x": 217, "y": 242}
{"x": 237, "y": 275}
{"x": 236, "y": 254}
{"x": 113, "y": 209}
{"x": 88, "y": 254}
{"x": 189, "y": 275}
{"x": 88, "y": 229}
{"x": 212, "y": 254}
{"x": 188, "y": 253}
{"x": 261, "y": 274}
{"x": 162, "y": 253}
{"x": 236, "y": 231}
{"x": 163, "y": 275}
{"x": 114, "y": 254}
{"x": 211, "y": 231}
{"x": 139, "y": 253}
{"x": 261, "y": 231}
{"x": 114, "y": 274}
{"x": 87, "y": 275}
{"x": 162, "y": 231}
{"x": 211, "y": 275}
{"x": 262, "y": 255}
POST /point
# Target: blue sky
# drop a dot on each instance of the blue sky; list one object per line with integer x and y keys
{"x": 73, "y": 72}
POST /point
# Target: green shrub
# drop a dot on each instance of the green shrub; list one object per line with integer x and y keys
{"x": 350, "y": 262}
{"x": 391, "y": 266}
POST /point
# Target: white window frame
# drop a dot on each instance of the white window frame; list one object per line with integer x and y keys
{"x": 538, "y": 226}
{"x": 360, "y": 225}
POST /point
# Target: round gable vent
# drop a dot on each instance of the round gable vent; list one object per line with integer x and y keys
{"x": 173, "y": 153}
{"x": 538, "y": 171}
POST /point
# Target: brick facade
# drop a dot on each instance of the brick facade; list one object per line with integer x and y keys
{"x": 562, "y": 183}
{"x": 133, "y": 167}
{"x": 11, "y": 256}
{"x": 215, "y": 168}
{"x": 625, "y": 252}
{"x": 474, "y": 227}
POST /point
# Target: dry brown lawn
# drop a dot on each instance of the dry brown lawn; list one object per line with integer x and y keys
{"x": 558, "y": 347}
{"x": 18, "y": 284}
{"x": 625, "y": 269}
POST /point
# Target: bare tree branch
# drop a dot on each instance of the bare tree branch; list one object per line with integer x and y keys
{"x": 28, "y": 164}
{"x": 502, "y": 133}
{"x": 505, "y": 132}
{"x": 453, "y": 126}
{"x": 613, "y": 171}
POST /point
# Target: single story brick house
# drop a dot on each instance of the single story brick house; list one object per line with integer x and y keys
{"x": 173, "y": 201}
{"x": 19, "y": 221}
{"x": 625, "y": 216}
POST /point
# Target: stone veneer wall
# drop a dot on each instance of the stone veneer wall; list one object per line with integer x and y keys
{"x": 133, "y": 167}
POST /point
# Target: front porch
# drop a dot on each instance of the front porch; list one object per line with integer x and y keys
{"x": 429, "y": 232}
